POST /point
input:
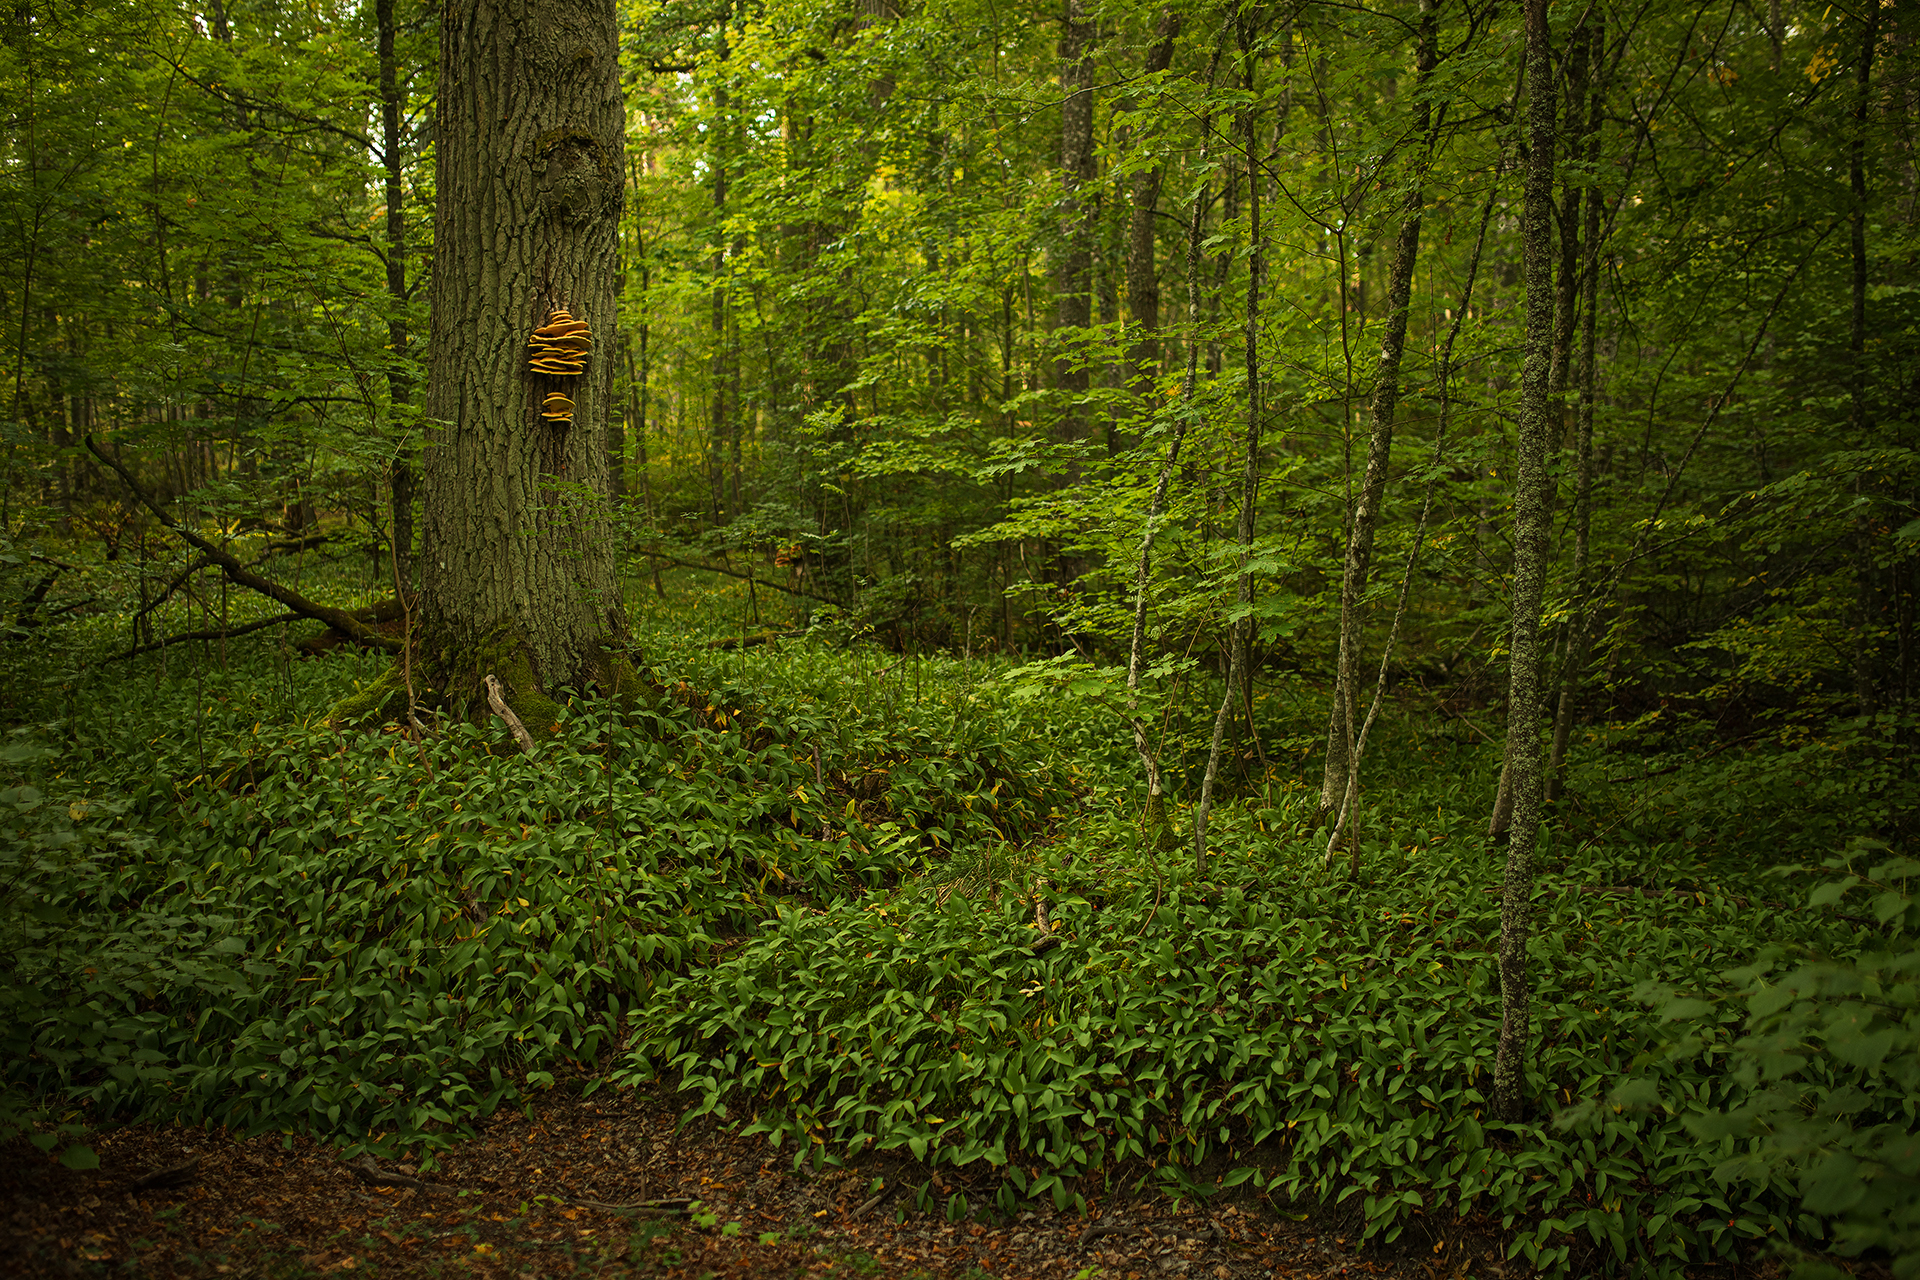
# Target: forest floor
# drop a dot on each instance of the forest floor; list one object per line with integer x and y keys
{"x": 556, "y": 1193}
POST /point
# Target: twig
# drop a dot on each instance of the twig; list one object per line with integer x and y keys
{"x": 215, "y": 633}
{"x": 370, "y": 1173}
{"x": 749, "y": 642}
{"x": 498, "y": 702}
{"x": 871, "y": 1201}
{"x": 173, "y": 1176}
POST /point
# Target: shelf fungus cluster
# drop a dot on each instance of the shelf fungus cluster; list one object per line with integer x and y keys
{"x": 559, "y": 349}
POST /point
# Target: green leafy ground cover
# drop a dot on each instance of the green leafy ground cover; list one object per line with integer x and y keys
{"x": 802, "y": 887}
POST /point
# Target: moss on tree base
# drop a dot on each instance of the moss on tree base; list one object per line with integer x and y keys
{"x": 382, "y": 701}
{"x": 610, "y": 672}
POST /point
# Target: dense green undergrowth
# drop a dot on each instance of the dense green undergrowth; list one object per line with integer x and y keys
{"x": 1332, "y": 1043}
{"x": 383, "y": 938}
{"x": 803, "y": 890}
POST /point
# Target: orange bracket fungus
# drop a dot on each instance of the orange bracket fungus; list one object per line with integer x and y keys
{"x": 559, "y": 349}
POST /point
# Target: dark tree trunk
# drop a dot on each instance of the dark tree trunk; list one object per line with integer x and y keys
{"x": 1580, "y": 633}
{"x": 400, "y": 476}
{"x": 1073, "y": 304}
{"x": 1531, "y": 517}
{"x": 1143, "y": 281}
{"x": 517, "y": 574}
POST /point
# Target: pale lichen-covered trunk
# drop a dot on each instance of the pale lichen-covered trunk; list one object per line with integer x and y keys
{"x": 517, "y": 569}
{"x": 1531, "y": 516}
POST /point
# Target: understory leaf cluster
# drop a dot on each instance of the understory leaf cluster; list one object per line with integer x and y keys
{"x": 866, "y": 902}
{"x": 1330, "y": 1044}
{"x": 381, "y": 938}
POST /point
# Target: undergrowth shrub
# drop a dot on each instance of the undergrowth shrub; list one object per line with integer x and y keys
{"x": 1829, "y": 1066}
{"x": 1332, "y": 1043}
{"x": 380, "y": 939}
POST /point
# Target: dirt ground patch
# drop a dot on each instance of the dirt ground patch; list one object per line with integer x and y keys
{"x": 603, "y": 1186}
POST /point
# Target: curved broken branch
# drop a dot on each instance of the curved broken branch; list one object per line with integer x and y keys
{"x": 339, "y": 619}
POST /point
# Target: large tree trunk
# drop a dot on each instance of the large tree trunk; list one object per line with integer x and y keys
{"x": 518, "y": 575}
{"x": 1531, "y": 516}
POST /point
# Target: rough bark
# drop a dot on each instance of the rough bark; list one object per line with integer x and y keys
{"x": 518, "y": 574}
{"x": 1373, "y": 487}
{"x": 1531, "y": 516}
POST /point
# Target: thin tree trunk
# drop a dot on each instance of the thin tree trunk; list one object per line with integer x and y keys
{"x": 1567, "y": 220}
{"x": 639, "y": 382}
{"x": 400, "y": 473}
{"x": 1531, "y": 517}
{"x": 1143, "y": 281}
{"x": 1250, "y": 472}
{"x": 1159, "y": 829}
{"x": 1073, "y": 303}
{"x": 1373, "y": 487}
{"x": 1858, "y": 412}
{"x": 718, "y": 425}
{"x": 1442, "y": 377}
{"x": 1580, "y": 636}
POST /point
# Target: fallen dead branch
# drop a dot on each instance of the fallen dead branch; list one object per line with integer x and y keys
{"x": 174, "y": 1176}
{"x": 339, "y": 619}
{"x": 370, "y": 1173}
{"x": 676, "y": 1207}
{"x": 748, "y": 577}
{"x": 752, "y": 641}
{"x": 216, "y": 633}
{"x": 1700, "y": 896}
{"x": 202, "y": 562}
{"x": 498, "y": 702}
{"x": 374, "y": 1176}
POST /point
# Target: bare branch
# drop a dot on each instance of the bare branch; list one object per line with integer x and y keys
{"x": 339, "y": 619}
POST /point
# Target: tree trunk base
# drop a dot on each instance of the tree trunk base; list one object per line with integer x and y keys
{"x": 453, "y": 684}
